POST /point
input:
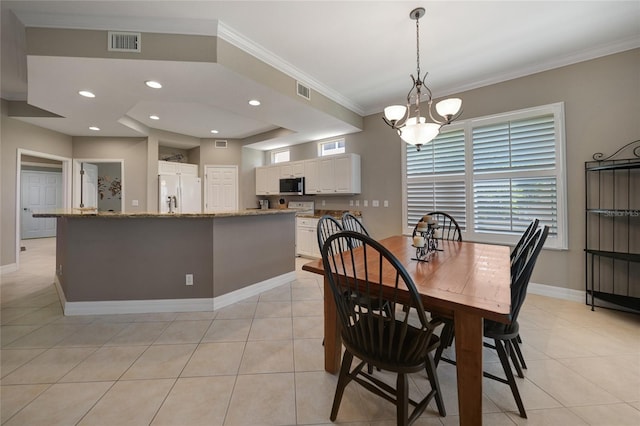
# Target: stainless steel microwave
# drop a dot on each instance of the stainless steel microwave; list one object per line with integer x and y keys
{"x": 292, "y": 186}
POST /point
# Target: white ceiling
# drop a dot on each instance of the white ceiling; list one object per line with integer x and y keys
{"x": 358, "y": 53}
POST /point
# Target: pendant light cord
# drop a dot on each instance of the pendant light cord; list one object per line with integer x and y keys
{"x": 418, "y": 46}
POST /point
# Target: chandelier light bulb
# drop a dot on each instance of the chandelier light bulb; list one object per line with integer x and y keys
{"x": 395, "y": 112}
{"x": 449, "y": 107}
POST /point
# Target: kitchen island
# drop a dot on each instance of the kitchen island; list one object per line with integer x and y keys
{"x": 108, "y": 263}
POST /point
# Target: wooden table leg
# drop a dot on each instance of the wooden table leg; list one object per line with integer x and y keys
{"x": 332, "y": 339}
{"x": 468, "y": 332}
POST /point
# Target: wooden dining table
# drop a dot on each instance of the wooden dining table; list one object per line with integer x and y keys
{"x": 465, "y": 281}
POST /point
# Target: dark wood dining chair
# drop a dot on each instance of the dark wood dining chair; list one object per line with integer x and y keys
{"x": 352, "y": 223}
{"x": 449, "y": 228}
{"x": 515, "y": 254}
{"x": 503, "y": 335}
{"x": 523, "y": 239}
{"x": 327, "y": 226}
{"x": 388, "y": 342}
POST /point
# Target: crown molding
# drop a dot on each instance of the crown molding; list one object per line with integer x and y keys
{"x": 575, "y": 58}
{"x": 254, "y": 49}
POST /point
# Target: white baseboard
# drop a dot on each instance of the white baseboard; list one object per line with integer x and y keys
{"x": 556, "y": 292}
{"x": 168, "y": 305}
{"x": 11, "y": 267}
{"x": 252, "y": 290}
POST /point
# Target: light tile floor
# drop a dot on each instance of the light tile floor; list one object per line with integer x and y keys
{"x": 260, "y": 362}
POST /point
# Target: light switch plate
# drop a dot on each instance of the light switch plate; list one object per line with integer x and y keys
{"x": 366, "y": 203}
{"x": 134, "y": 203}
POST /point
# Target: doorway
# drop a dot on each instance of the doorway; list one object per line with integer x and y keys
{"x": 33, "y": 160}
{"x": 98, "y": 184}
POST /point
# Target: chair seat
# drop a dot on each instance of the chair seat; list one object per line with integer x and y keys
{"x": 500, "y": 331}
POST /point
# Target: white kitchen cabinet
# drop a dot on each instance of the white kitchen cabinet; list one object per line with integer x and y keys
{"x": 339, "y": 174}
{"x": 347, "y": 174}
{"x": 292, "y": 169}
{"x": 311, "y": 176}
{"x": 173, "y": 168}
{"x": 268, "y": 180}
{"x": 306, "y": 237}
{"x": 326, "y": 175}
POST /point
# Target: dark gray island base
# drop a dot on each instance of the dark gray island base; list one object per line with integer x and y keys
{"x": 119, "y": 263}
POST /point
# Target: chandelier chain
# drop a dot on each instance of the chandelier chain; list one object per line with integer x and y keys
{"x": 418, "y": 47}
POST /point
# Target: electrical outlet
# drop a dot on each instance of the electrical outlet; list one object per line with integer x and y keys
{"x": 323, "y": 203}
{"x": 357, "y": 203}
{"x": 386, "y": 203}
{"x": 134, "y": 203}
{"x": 350, "y": 203}
{"x": 375, "y": 203}
{"x": 366, "y": 203}
{"x": 60, "y": 270}
{"x": 188, "y": 279}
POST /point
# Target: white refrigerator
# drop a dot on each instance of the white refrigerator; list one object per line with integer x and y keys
{"x": 179, "y": 194}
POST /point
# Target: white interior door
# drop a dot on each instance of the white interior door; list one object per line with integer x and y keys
{"x": 41, "y": 191}
{"x": 221, "y": 183}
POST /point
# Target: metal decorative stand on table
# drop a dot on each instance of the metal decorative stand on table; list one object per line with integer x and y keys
{"x": 425, "y": 238}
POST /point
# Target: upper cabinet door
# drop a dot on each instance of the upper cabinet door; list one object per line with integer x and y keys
{"x": 261, "y": 181}
{"x": 273, "y": 180}
{"x": 292, "y": 169}
{"x": 311, "y": 184}
{"x": 298, "y": 168}
{"x": 268, "y": 180}
{"x": 347, "y": 174}
{"x": 326, "y": 175}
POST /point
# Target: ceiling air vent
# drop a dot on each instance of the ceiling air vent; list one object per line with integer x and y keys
{"x": 124, "y": 41}
{"x": 303, "y": 90}
{"x": 221, "y": 143}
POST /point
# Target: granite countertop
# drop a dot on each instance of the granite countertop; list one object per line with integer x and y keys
{"x": 111, "y": 215}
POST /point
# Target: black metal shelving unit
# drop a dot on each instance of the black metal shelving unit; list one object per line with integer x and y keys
{"x": 612, "y": 229}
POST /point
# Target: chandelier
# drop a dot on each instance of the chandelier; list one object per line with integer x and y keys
{"x": 415, "y": 130}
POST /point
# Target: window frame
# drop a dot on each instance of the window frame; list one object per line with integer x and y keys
{"x": 559, "y": 241}
{"x": 274, "y": 154}
{"x": 321, "y": 152}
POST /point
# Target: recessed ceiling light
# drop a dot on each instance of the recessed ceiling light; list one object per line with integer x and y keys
{"x": 94, "y": 128}
{"x": 86, "y": 94}
{"x": 154, "y": 117}
{"x": 254, "y": 102}
{"x": 215, "y": 131}
{"x": 153, "y": 84}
